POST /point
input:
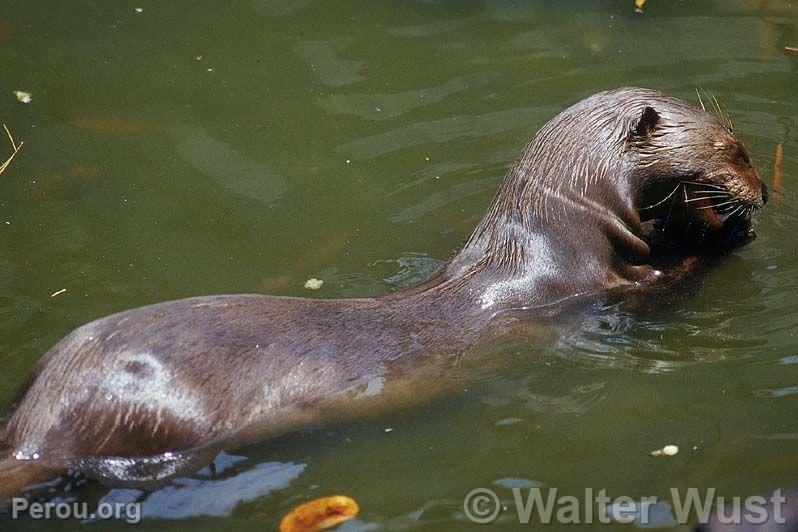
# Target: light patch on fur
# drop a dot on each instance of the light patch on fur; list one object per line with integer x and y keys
{"x": 373, "y": 387}
{"x": 157, "y": 386}
{"x": 153, "y": 388}
{"x": 543, "y": 263}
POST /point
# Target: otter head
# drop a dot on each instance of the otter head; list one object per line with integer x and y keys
{"x": 572, "y": 211}
{"x": 695, "y": 181}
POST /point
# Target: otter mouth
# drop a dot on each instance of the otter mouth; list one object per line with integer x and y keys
{"x": 703, "y": 220}
{"x": 738, "y": 227}
{"x": 725, "y": 222}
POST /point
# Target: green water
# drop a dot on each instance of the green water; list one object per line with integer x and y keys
{"x": 208, "y": 147}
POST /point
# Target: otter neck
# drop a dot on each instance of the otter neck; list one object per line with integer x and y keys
{"x": 548, "y": 236}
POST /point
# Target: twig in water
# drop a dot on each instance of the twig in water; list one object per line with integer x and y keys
{"x": 16, "y": 147}
{"x": 777, "y": 168}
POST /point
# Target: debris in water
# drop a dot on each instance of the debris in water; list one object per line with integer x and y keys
{"x": 508, "y": 421}
{"x": 16, "y": 147}
{"x": 791, "y": 48}
{"x": 6, "y": 31}
{"x": 313, "y": 284}
{"x": 320, "y": 514}
{"x": 24, "y": 97}
{"x": 58, "y": 293}
{"x": 777, "y": 168}
{"x": 517, "y": 483}
{"x": 668, "y": 450}
{"x": 639, "y": 5}
{"x": 112, "y": 125}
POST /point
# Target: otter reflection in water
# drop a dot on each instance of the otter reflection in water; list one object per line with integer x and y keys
{"x": 622, "y": 191}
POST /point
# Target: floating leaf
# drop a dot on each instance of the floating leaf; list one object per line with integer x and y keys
{"x": 668, "y": 450}
{"x": 320, "y": 514}
{"x": 313, "y": 284}
{"x": 24, "y": 97}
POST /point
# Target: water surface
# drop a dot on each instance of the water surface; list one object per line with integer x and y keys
{"x": 202, "y": 147}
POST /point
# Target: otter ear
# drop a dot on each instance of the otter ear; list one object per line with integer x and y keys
{"x": 647, "y": 123}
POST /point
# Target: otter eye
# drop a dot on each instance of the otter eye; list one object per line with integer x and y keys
{"x": 743, "y": 156}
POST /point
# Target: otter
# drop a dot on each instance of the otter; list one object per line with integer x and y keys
{"x": 624, "y": 190}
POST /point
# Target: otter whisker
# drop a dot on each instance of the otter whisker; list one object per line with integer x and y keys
{"x": 663, "y": 200}
{"x": 670, "y": 210}
{"x": 711, "y": 193}
{"x": 716, "y": 193}
{"x": 696, "y": 188}
{"x": 719, "y": 204}
{"x": 740, "y": 209}
{"x": 725, "y": 119}
{"x": 698, "y": 93}
{"x": 717, "y": 106}
{"x": 716, "y": 189}
{"x": 711, "y": 185}
{"x": 691, "y": 200}
{"x": 717, "y": 197}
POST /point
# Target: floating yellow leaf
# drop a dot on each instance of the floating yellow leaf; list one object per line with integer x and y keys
{"x": 639, "y": 5}
{"x": 319, "y": 514}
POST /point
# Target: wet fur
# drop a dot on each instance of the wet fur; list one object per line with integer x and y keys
{"x": 154, "y": 392}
